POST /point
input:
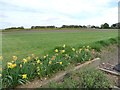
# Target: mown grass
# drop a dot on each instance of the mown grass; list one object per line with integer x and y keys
{"x": 23, "y": 44}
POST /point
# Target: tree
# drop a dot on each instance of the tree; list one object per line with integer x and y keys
{"x": 105, "y": 26}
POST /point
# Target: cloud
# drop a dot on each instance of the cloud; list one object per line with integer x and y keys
{"x": 57, "y": 12}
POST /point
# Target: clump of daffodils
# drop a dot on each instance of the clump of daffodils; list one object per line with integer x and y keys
{"x": 56, "y": 50}
{"x": 11, "y": 65}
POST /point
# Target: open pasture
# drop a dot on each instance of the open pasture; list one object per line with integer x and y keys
{"x": 24, "y": 43}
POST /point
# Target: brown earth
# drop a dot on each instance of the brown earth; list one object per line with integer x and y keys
{"x": 109, "y": 58}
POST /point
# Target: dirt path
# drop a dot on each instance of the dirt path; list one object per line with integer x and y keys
{"x": 109, "y": 58}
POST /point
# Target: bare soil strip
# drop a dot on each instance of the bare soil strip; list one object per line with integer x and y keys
{"x": 109, "y": 59}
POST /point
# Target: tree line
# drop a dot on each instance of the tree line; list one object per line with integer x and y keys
{"x": 103, "y": 26}
{"x": 14, "y": 28}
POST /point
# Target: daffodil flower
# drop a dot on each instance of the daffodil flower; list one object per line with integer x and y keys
{"x": 24, "y": 60}
{"x": 14, "y": 58}
{"x": 33, "y": 55}
{"x": 60, "y": 63}
{"x": 56, "y": 50}
{"x": 44, "y": 57}
{"x": 88, "y": 46}
{"x": 64, "y": 46}
{"x": 62, "y": 51}
{"x": 28, "y": 58}
{"x": 24, "y": 76}
{"x": 73, "y": 49}
{"x": 50, "y": 62}
{"x": 20, "y": 65}
{"x": 38, "y": 61}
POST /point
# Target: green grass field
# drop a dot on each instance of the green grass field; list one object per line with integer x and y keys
{"x": 25, "y": 43}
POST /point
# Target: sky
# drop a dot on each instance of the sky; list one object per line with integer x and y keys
{"x": 27, "y": 13}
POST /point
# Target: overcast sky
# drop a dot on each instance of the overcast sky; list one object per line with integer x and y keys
{"x": 29, "y": 13}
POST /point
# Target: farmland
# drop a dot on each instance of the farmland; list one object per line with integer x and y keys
{"x": 24, "y": 43}
{"x": 46, "y": 52}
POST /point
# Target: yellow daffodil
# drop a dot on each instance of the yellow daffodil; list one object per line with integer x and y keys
{"x": 62, "y": 51}
{"x": 24, "y": 76}
{"x": 50, "y": 62}
{"x": 9, "y": 65}
{"x": 44, "y": 57}
{"x": 28, "y": 58}
{"x": 14, "y": 65}
{"x": 0, "y": 75}
{"x": 38, "y": 61}
{"x": 14, "y": 58}
{"x": 24, "y": 60}
{"x": 56, "y": 50}
{"x": 73, "y": 49}
{"x": 38, "y": 73}
{"x": 33, "y": 55}
{"x": 88, "y": 46}
{"x": 1, "y": 57}
{"x": 60, "y": 63}
{"x": 64, "y": 46}
{"x": 36, "y": 58}
{"x": 12, "y": 61}
{"x": 20, "y": 65}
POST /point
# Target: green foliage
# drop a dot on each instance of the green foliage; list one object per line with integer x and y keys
{"x": 20, "y": 72}
{"x": 102, "y": 43}
{"x": 93, "y": 79}
{"x": 105, "y": 26}
{"x": 87, "y": 78}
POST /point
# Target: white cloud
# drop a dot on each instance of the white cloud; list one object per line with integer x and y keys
{"x": 57, "y": 12}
